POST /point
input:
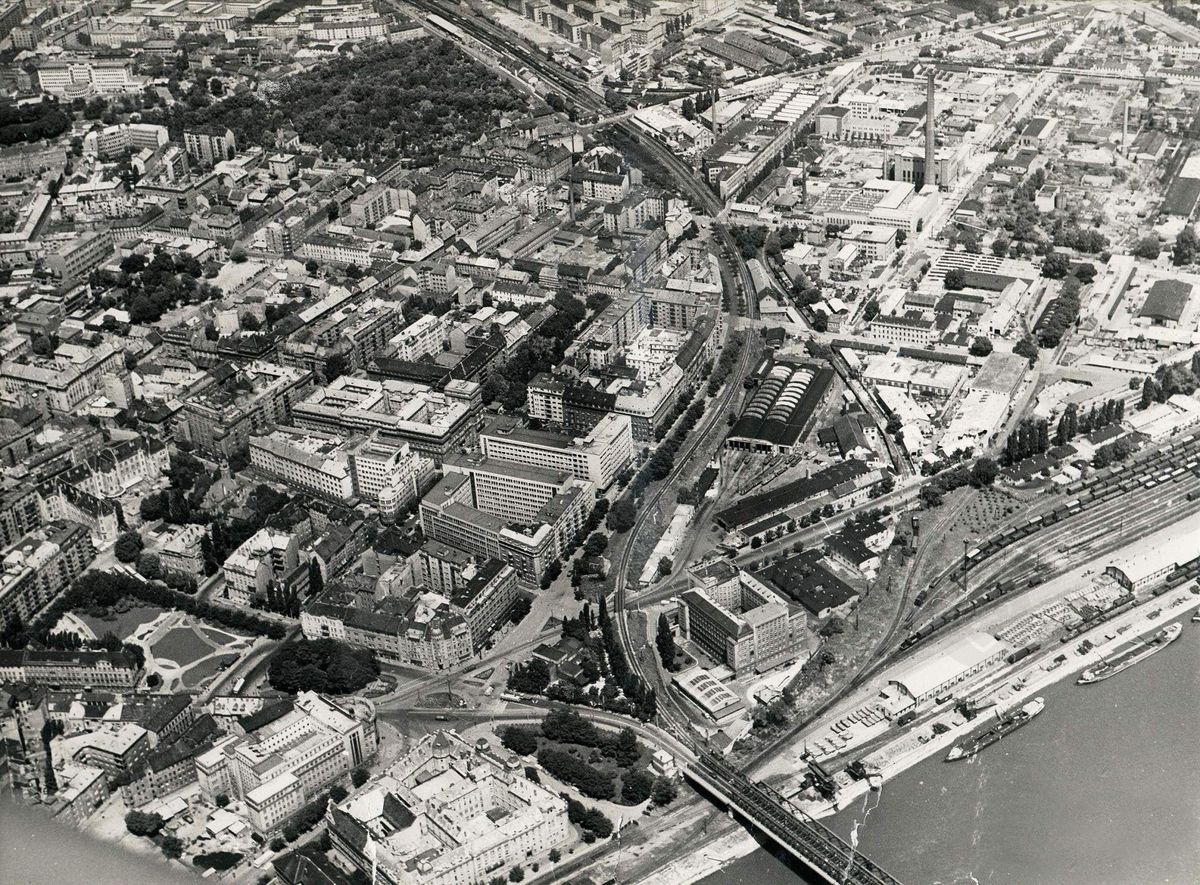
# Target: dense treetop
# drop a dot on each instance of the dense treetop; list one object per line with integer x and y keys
{"x": 416, "y": 100}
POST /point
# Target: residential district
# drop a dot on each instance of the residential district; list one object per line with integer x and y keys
{"x": 461, "y": 442}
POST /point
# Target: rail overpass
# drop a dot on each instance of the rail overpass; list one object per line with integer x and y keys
{"x": 811, "y": 843}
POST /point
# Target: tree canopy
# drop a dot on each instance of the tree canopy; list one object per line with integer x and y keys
{"x": 323, "y": 665}
{"x": 417, "y": 99}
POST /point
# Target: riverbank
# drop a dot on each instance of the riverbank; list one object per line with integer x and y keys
{"x": 1100, "y": 789}
{"x": 1009, "y": 690}
{"x": 907, "y": 752}
{"x": 1009, "y": 686}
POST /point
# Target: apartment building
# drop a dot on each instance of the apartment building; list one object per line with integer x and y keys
{"x": 41, "y": 565}
{"x": 427, "y": 628}
{"x": 597, "y": 457}
{"x": 423, "y": 337}
{"x": 209, "y": 145}
{"x": 266, "y": 558}
{"x": 182, "y": 550}
{"x": 66, "y": 379}
{"x": 20, "y": 511}
{"x": 375, "y": 204}
{"x": 219, "y": 417}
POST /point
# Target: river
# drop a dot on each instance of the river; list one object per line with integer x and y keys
{"x": 1102, "y": 788}
{"x": 35, "y": 850}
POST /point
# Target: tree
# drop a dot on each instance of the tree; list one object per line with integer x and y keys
{"x": 516, "y": 874}
{"x": 149, "y": 567}
{"x": 141, "y": 823}
{"x": 1056, "y": 265}
{"x": 622, "y": 515}
{"x": 316, "y": 578}
{"x": 128, "y": 546}
{"x": 522, "y": 741}
{"x": 359, "y": 776}
{"x": 222, "y": 800}
{"x": 832, "y": 627}
{"x": 636, "y": 787}
{"x": 1186, "y": 245}
{"x": 663, "y": 792}
{"x": 172, "y": 847}
{"x": 665, "y": 641}
{"x": 955, "y": 279}
{"x": 1000, "y": 246}
{"x": 323, "y": 665}
{"x": 1027, "y": 348}
{"x": 981, "y": 346}
{"x": 216, "y": 87}
{"x": 984, "y": 472}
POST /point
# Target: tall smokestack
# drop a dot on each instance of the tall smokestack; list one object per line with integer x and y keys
{"x": 929, "y": 136}
{"x": 1125, "y": 130}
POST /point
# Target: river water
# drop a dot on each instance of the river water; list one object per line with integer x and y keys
{"x": 35, "y": 850}
{"x": 1103, "y": 788}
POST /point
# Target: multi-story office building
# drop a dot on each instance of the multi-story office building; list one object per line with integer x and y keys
{"x": 40, "y": 566}
{"x": 525, "y": 516}
{"x": 314, "y": 461}
{"x": 75, "y": 257}
{"x": 740, "y": 621}
{"x": 390, "y": 472}
{"x": 220, "y": 416}
{"x": 283, "y": 764}
{"x": 433, "y": 423}
{"x": 266, "y": 558}
{"x": 448, "y": 795}
{"x": 598, "y": 457}
{"x": 80, "y": 77}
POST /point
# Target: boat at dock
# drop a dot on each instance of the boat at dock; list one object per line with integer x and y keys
{"x": 1138, "y": 650}
{"x": 1005, "y": 725}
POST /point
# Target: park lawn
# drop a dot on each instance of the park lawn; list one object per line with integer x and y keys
{"x": 182, "y": 646}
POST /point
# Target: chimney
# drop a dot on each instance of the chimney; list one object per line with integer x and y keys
{"x": 930, "y": 151}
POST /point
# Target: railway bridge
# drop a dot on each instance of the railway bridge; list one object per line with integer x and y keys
{"x": 811, "y": 843}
